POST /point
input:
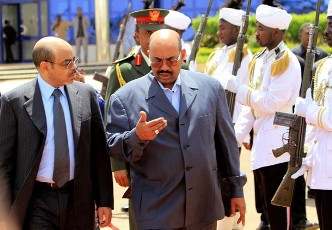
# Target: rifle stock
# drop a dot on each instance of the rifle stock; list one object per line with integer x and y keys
{"x": 297, "y": 125}
{"x": 241, "y": 40}
{"x": 121, "y": 34}
{"x": 285, "y": 189}
{"x": 199, "y": 34}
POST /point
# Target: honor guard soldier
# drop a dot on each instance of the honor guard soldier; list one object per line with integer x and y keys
{"x": 274, "y": 80}
{"x": 317, "y": 112}
{"x": 134, "y": 66}
{"x": 220, "y": 66}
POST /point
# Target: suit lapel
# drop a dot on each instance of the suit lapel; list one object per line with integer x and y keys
{"x": 75, "y": 105}
{"x": 158, "y": 98}
{"x": 188, "y": 93}
{"x": 35, "y": 107}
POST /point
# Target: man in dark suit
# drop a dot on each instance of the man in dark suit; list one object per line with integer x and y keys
{"x": 174, "y": 127}
{"x": 301, "y": 50}
{"x": 31, "y": 196}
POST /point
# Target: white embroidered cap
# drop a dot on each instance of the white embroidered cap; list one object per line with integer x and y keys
{"x": 233, "y": 16}
{"x": 273, "y": 17}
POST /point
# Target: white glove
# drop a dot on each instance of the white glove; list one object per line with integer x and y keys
{"x": 192, "y": 66}
{"x": 301, "y": 105}
{"x": 305, "y": 167}
{"x": 232, "y": 84}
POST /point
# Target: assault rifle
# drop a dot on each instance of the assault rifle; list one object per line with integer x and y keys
{"x": 199, "y": 34}
{"x": 241, "y": 40}
{"x": 121, "y": 34}
{"x": 297, "y": 126}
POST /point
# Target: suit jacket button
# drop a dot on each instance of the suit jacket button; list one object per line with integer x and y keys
{"x": 141, "y": 144}
{"x": 186, "y": 146}
{"x": 188, "y": 168}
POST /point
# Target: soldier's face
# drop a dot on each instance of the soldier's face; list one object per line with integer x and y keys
{"x": 264, "y": 35}
{"x": 142, "y": 38}
{"x": 227, "y": 33}
{"x": 328, "y": 32}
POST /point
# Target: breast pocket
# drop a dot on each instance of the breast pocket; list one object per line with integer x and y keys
{"x": 206, "y": 124}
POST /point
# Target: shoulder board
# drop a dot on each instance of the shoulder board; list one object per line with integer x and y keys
{"x": 280, "y": 63}
{"x": 125, "y": 59}
{"x": 134, "y": 50}
{"x": 231, "y": 56}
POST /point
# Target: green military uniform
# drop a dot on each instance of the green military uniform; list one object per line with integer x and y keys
{"x": 128, "y": 72}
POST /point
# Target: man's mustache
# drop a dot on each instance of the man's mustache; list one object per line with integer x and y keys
{"x": 164, "y": 71}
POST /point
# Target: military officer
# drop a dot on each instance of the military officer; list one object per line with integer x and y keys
{"x": 134, "y": 66}
{"x": 274, "y": 78}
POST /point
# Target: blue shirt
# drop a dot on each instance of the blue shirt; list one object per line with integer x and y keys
{"x": 45, "y": 171}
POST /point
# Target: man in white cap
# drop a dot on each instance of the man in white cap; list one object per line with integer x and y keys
{"x": 220, "y": 65}
{"x": 317, "y": 112}
{"x": 179, "y": 22}
{"x": 274, "y": 80}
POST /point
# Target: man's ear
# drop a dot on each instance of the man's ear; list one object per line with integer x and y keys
{"x": 183, "y": 54}
{"x": 136, "y": 37}
{"x": 44, "y": 66}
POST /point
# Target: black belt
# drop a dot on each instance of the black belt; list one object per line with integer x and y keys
{"x": 54, "y": 186}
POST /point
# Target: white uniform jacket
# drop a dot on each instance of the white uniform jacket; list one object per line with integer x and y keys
{"x": 319, "y": 114}
{"x": 220, "y": 65}
{"x": 274, "y": 82}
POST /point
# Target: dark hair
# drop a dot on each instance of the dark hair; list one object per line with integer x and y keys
{"x": 235, "y": 4}
{"x": 305, "y": 25}
{"x": 272, "y": 3}
{"x": 42, "y": 53}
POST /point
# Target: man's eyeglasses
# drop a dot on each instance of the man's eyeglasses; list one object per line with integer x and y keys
{"x": 157, "y": 62}
{"x": 68, "y": 64}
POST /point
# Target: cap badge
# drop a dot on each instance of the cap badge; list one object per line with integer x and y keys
{"x": 154, "y": 15}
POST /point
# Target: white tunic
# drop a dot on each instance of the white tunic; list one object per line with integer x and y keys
{"x": 220, "y": 65}
{"x": 319, "y": 114}
{"x": 274, "y": 84}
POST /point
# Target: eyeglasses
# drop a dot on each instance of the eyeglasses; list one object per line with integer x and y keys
{"x": 157, "y": 62}
{"x": 68, "y": 63}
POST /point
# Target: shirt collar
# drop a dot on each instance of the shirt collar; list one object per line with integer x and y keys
{"x": 176, "y": 85}
{"x": 275, "y": 51}
{"x": 146, "y": 58}
{"x": 226, "y": 47}
{"x": 46, "y": 89}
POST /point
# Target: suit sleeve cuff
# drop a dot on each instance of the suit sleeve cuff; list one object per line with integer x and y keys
{"x": 236, "y": 185}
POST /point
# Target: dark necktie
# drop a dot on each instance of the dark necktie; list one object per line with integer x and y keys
{"x": 61, "y": 152}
